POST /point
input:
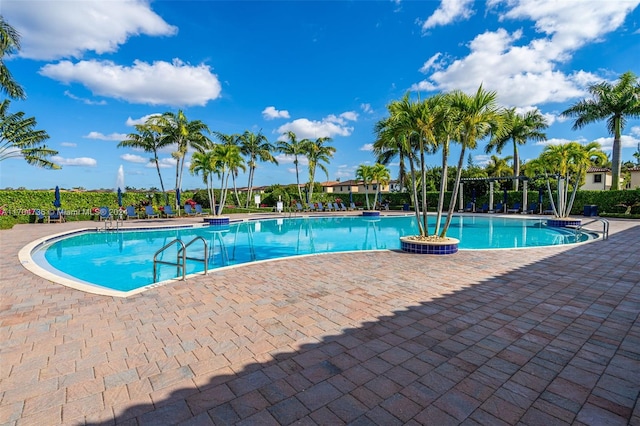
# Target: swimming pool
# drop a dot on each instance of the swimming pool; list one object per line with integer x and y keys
{"x": 123, "y": 260}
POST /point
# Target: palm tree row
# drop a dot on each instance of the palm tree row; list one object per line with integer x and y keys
{"x": 223, "y": 159}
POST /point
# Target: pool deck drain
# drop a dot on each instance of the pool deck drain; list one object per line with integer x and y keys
{"x": 538, "y": 336}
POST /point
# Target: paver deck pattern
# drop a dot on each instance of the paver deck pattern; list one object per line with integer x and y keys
{"x": 533, "y": 337}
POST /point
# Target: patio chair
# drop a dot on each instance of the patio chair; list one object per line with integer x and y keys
{"x": 469, "y": 207}
{"x": 353, "y": 206}
{"x": 104, "y": 213}
{"x": 343, "y": 207}
{"x": 131, "y": 213}
{"x": 484, "y": 208}
{"x": 548, "y": 210}
{"x": 198, "y": 209}
{"x": 168, "y": 211}
{"x": 299, "y": 208}
{"x": 149, "y": 212}
{"x": 312, "y": 207}
{"x": 514, "y": 209}
{"x": 533, "y": 208}
{"x": 499, "y": 208}
{"x": 188, "y": 210}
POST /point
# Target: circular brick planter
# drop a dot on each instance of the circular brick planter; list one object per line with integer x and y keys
{"x": 370, "y": 213}
{"x": 217, "y": 221}
{"x": 563, "y": 223}
{"x": 447, "y": 246}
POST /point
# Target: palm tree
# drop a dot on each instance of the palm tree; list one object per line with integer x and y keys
{"x": 293, "y": 147}
{"x": 529, "y": 125}
{"x": 365, "y": 174}
{"x": 498, "y": 167}
{"x": 317, "y": 153}
{"x": 205, "y": 163}
{"x": 149, "y": 139}
{"x": 636, "y": 155}
{"x": 475, "y": 118}
{"x": 255, "y": 147}
{"x": 18, "y": 138}
{"x": 9, "y": 43}
{"x": 380, "y": 175}
{"x": 569, "y": 163}
{"x": 176, "y": 128}
{"x": 232, "y": 139}
{"x": 398, "y": 133}
{"x": 229, "y": 158}
{"x": 613, "y": 103}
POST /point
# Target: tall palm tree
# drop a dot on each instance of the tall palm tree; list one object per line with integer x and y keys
{"x": 256, "y": 147}
{"x": 636, "y": 155}
{"x": 293, "y": 147}
{"x": 231, "y": 139}
{"x": 149, "y": 139}
{"x": 317, "y": 152}
{"x": 9, "y": 43}
{"x": 229, "y": 158}
{"x": 380, "y": 175}
{"x": 476, "y": 117}
{"x": 176, "y": 128}
{"x": 205, "y": 163}
{"x": 498, "y": 167}
{"x": 18, "y": 138}
{"x": 613, "y": 103}
{"x": 569, "y": 163}
{"x": 527, "y": 126}
{"x": 364, "y": 173}
{"x": 399, "y": 133}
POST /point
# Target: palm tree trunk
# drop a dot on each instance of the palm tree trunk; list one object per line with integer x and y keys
{"x": 298, "y": 179}
{"x": 423, "y": 170}
{"x": 615, "y": 157}
{"x": 443, "y": 184}
{"x": 414, "y": 191}
{"x": 516, "y": 165}
{"x": 235, "y": 190}
{"x": 155, "y": 159}
{"x": 452, "y": 202}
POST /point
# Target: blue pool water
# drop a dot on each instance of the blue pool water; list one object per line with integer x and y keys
{"x": 123, "y": 260}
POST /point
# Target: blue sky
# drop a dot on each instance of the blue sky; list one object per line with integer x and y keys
{"x": 93, "y": 69}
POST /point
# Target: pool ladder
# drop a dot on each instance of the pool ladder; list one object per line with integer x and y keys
{"x": 181, "y": 257}
{"x": 605, "y": 226}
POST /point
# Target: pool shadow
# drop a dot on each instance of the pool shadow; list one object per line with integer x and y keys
{"x": 552, "y": 342}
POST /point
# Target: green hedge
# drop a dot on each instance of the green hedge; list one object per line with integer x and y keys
{"x": 18, "y": 204}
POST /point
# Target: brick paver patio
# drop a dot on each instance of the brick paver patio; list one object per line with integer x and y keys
{"x": 533, "y": 337}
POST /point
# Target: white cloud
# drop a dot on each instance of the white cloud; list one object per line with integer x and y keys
{"x": 524, "y": 70}
{"x": 164, "y": 163}
{"x": 69, "y": 144}
{"x": 626, "y": 141}
{"x": 159, "y": 83}
{"x": 449, "y": 11}
{"x": 366, "y": 108}
{"x": 54, "y": 30}
{"x": 367, "y": 147}
{"x": 134, "y": 158}
{"x": 84, "y": 100}
{"x": 80, "y": 161}
{"x": 289, "y": 159}
{"x": 431, "y": 63}
{"x": 132, "y": 122}
{"x": 271, "y": 113}
{"x": 481, "y": 160}
{"x": 102, "y": 137}
{"x": 329, "y": 126}
{"x": 635, "y": 130}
